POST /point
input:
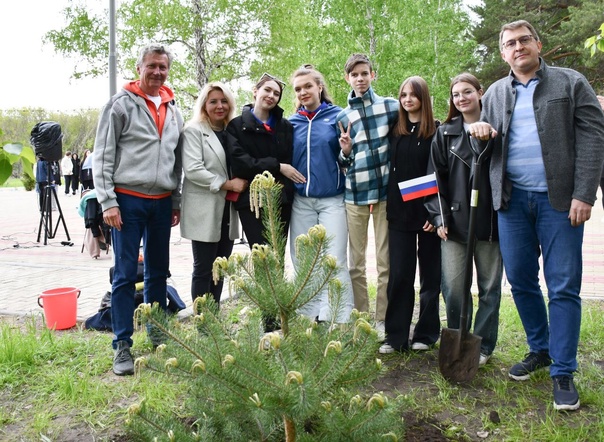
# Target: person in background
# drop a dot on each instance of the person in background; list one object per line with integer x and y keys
{"x": 411, "y": 236}
{"x": 75, "y": 181}
{"x": 545, "y": 168}
{"x": 86, "y": 177}
{"x": 137, "y": 174}
{"x": 452, "y": 159}
{"x": 208, "y": 216}
{"x": 320, "y": 199}
{"x": 263, "y": 141}
{"x": 364, "y": 126}
{"x": 67, "y": 170}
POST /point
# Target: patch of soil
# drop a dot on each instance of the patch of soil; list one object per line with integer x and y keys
{"x": 416, "y": 373}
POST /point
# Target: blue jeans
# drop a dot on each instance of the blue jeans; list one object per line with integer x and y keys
{"x": 489, "y": 269}
{"x": 528, "y": 227}
{"x": 330, "y": 212}
{"x": 149, "y": 220}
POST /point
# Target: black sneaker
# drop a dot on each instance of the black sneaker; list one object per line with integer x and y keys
{"x": 123, "y": 363}
{"x": 565, "y": 393}
{"x": 532, "y": 361}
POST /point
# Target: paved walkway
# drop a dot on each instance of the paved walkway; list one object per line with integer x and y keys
{"x": 28, "y": 267}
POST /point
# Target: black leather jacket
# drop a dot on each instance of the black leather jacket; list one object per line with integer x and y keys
{"x": 452, "y": 158}
{"x": 253, "y": 150}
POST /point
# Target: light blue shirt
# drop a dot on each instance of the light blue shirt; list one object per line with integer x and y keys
{"x": 525, "y": 167}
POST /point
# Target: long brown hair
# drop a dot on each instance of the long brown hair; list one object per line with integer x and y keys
{"x": 464, "y": 77}
{"x": 427, "y": 126}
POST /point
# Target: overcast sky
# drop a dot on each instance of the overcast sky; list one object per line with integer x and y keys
{"x": 34, "y": 75}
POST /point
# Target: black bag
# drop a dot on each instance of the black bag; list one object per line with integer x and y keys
{"x": 86, "y": 174}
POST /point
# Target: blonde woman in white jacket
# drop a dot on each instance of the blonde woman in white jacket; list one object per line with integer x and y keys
{"x": 208, "y": 217}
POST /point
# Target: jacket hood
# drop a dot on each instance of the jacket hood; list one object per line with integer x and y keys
{"x": 165, "y": 92}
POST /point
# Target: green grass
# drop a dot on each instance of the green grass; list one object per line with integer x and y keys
{"x": 59, "y": 386}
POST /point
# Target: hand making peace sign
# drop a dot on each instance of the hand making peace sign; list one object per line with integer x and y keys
{"x": 345, "y": 141}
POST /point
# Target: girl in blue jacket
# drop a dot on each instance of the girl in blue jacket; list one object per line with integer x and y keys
{"x": 320, "y": 198}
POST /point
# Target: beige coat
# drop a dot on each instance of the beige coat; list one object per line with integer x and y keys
{"x": 205, "y": 171}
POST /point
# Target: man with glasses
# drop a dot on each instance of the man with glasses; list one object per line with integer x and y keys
{"x": 544, "y": 173}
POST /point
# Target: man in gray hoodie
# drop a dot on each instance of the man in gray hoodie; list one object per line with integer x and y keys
{"x": 545, "y": 169}
{"x": 137, "y": 173}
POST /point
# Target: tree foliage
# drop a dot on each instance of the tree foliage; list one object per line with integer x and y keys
{"x": 211, "y": 39}
{"x": 596, "y": 42}
{"x": 562, "y": 25}
{"x": 233, "y": 39}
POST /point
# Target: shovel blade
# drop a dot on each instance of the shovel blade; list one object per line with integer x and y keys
{"x": 458, "y": 355}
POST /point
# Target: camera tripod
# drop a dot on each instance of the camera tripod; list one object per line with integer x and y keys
{"x": 49, "y": 192}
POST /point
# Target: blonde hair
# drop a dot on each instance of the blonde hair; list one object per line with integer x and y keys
{"x": 199, "y": 110}
{"x": 319, "y": 80}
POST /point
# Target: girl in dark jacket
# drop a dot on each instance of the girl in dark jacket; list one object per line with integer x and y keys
{"x": 263, "y": 142}
{"x": 411, "y": 237}
{"x": 451, "y": 158}
{"x": 75, "y": 180}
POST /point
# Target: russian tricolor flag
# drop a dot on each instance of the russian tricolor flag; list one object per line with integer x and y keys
{"x": 418, "y": 187}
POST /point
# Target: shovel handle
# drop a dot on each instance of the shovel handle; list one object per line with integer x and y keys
{"x": 481, "y": 153}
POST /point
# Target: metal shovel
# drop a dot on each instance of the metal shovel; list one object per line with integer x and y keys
{"x": 459, "y": 351}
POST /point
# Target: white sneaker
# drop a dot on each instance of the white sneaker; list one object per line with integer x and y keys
{"x": 420, "y": 346}
{"x": 483, "y": 359}
{"x": 380, "y": 328}
{"x": 386, "y": 349}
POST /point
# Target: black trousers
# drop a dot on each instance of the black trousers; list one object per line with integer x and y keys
{"x": 254, "y": 227}
{"x": 68, "y": 179}
{"x": 75, "y": 183}
{"x": 204, "y": 255}
{"x": 407, "y": 248}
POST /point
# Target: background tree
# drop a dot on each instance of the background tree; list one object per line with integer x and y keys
{"x": 17, "y": 156}
{"x": 211, "y": 39}
{"x": 233, "y": 39}
{"x": 562, "y": 25}
{"x": 415, "y": 37}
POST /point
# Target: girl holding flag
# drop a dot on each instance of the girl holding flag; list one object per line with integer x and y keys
{"x": 412, "y": 237}
{"x": 452, "y": 159}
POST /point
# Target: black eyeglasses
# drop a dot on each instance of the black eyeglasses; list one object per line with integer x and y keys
{"x": 266, "y": 75}
{"x": 511, "y": 44}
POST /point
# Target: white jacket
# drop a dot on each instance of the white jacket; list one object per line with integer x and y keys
{"x": 66, "y": 166}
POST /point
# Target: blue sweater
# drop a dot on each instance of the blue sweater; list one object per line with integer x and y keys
{"x": 316, "y": 150}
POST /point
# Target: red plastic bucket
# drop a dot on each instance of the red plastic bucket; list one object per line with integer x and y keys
{"x": 60, "y": 307}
